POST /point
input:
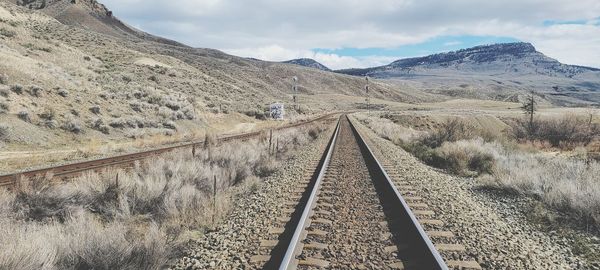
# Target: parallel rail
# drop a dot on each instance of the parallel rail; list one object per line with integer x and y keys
{"x": 72, "y": 169}
{"x": 422, "y": 250}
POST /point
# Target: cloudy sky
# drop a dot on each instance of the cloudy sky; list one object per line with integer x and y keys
{"x": 362, "y": 33}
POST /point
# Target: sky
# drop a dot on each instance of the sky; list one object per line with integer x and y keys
{"x": 365, "y": 33}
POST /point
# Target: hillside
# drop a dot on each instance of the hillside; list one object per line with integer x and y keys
{"x": 307, "y": 62}
{"x": 71, "y": 71}
{"x": 499, "y": 71}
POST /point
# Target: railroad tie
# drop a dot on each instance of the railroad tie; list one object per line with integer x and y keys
{"x": 463, "y": 264}
{"x": 322, "y": 221}
{"x": 260, "y": 258}
{"x": 315, "y": 245}
{"x": 433, "y": 222}
{"x": 276, "y": 230}
{"x": 397, "y": 266}
{"x": 440, "y": 234}
{"x": 283, "y": 219}
{"x": 423, "y": 212}
{"x": 288, "y": 211}
{"x": 412, "y": 198}
{"x": 450, "y": 247}
{"x": 417, "y": 205}
{"x": 317, "y": 232}
{"x": 313, "y": 262}
{"x": 268, "y": 243}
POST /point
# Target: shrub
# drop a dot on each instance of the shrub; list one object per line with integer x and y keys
{"x": 35, "y": 91}
{"x": 99, "y": 125}
{"x": 7, "y": 33}
{"x": 467, "y": 157}
{"x": 170, "y": 125}
{"x": 450, "y": 131}
{"x": 173, "y": 105}
{"x": 3, "y": 106}
{"x": 565, "y": 132}
{"x": 118, "y": 123}
{"x": 95, "y": 109}
{"x": 17, "y": 89}
{"x": 3, "y": 132}
{"x": 3, "y": 78}
{"x": 4, "y": 92}
{"x": 155, "y": 98}
{"x": 136, "y": 106}
{"x": 51, "y": 123}
{"x": 24, "y": 115}
{"x": 63, "y": 92}
{"x": 72, "y": 125}
{"x": 189, "y": 112}
{"x": 167, "y": 114}
{"x": 48, "y": 114}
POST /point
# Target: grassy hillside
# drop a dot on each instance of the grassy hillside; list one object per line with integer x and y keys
{"x": 71, "y": 71}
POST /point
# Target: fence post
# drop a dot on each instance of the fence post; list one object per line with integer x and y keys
{"x": 270, "y": 140}
{"x": 277, "y": 148}
{"x": 117, "y": 187}
{"x": 214, "y": 199}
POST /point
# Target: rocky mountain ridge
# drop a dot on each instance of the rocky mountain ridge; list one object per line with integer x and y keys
{"x": 307, "y": 62}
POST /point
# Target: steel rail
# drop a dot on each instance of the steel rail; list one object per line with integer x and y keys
{"x": 423, "y": 250}
{"x": 295, "y": 244}
{"x": 10, "y": 179}
{"x": 430, "y": 253}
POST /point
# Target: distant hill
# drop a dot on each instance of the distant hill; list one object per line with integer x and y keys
{"x": 498, "y": 71}
{"x": 307, "y": 62}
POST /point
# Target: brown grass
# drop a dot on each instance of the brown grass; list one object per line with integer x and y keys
{"x": 136, "y": 219}
{"x": 570, "y": 184}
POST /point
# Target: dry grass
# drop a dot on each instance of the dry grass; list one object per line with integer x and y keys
{"x": 566, "y": 132}
{"x": 132, "y": 220}
{"x": 566, "y": 183}
{"x": 569, "y": 184}
{"x": 388, "y": 130}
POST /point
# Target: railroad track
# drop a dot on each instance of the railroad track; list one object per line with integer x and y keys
{"x": 73, "y": 169}
{"x": 349, "y": 214}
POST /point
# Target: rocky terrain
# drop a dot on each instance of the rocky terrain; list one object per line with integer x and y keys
{"x": 307, "y": 62}
{"x": 499, "y": 71}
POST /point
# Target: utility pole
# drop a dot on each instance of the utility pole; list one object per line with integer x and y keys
{"x": 294, "y": 93}
{"x": 367, "y": 94}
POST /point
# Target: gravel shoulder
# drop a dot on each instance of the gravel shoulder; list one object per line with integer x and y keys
{"x": 493, "y": 230}
{"x": 237, "y": 238}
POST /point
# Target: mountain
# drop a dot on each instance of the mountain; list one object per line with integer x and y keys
{"x": 498, "y": 71}
{"x": 307, "y": 62}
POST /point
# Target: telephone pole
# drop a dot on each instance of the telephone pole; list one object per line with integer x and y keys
{"x": 294, "y": 93}
{"x": 367, "y": 94}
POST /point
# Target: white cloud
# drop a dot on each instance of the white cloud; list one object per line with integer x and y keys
{"x": 333, "y": 61}
{"x": 452, "y": 43}
{"x": 277, "y": 28}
